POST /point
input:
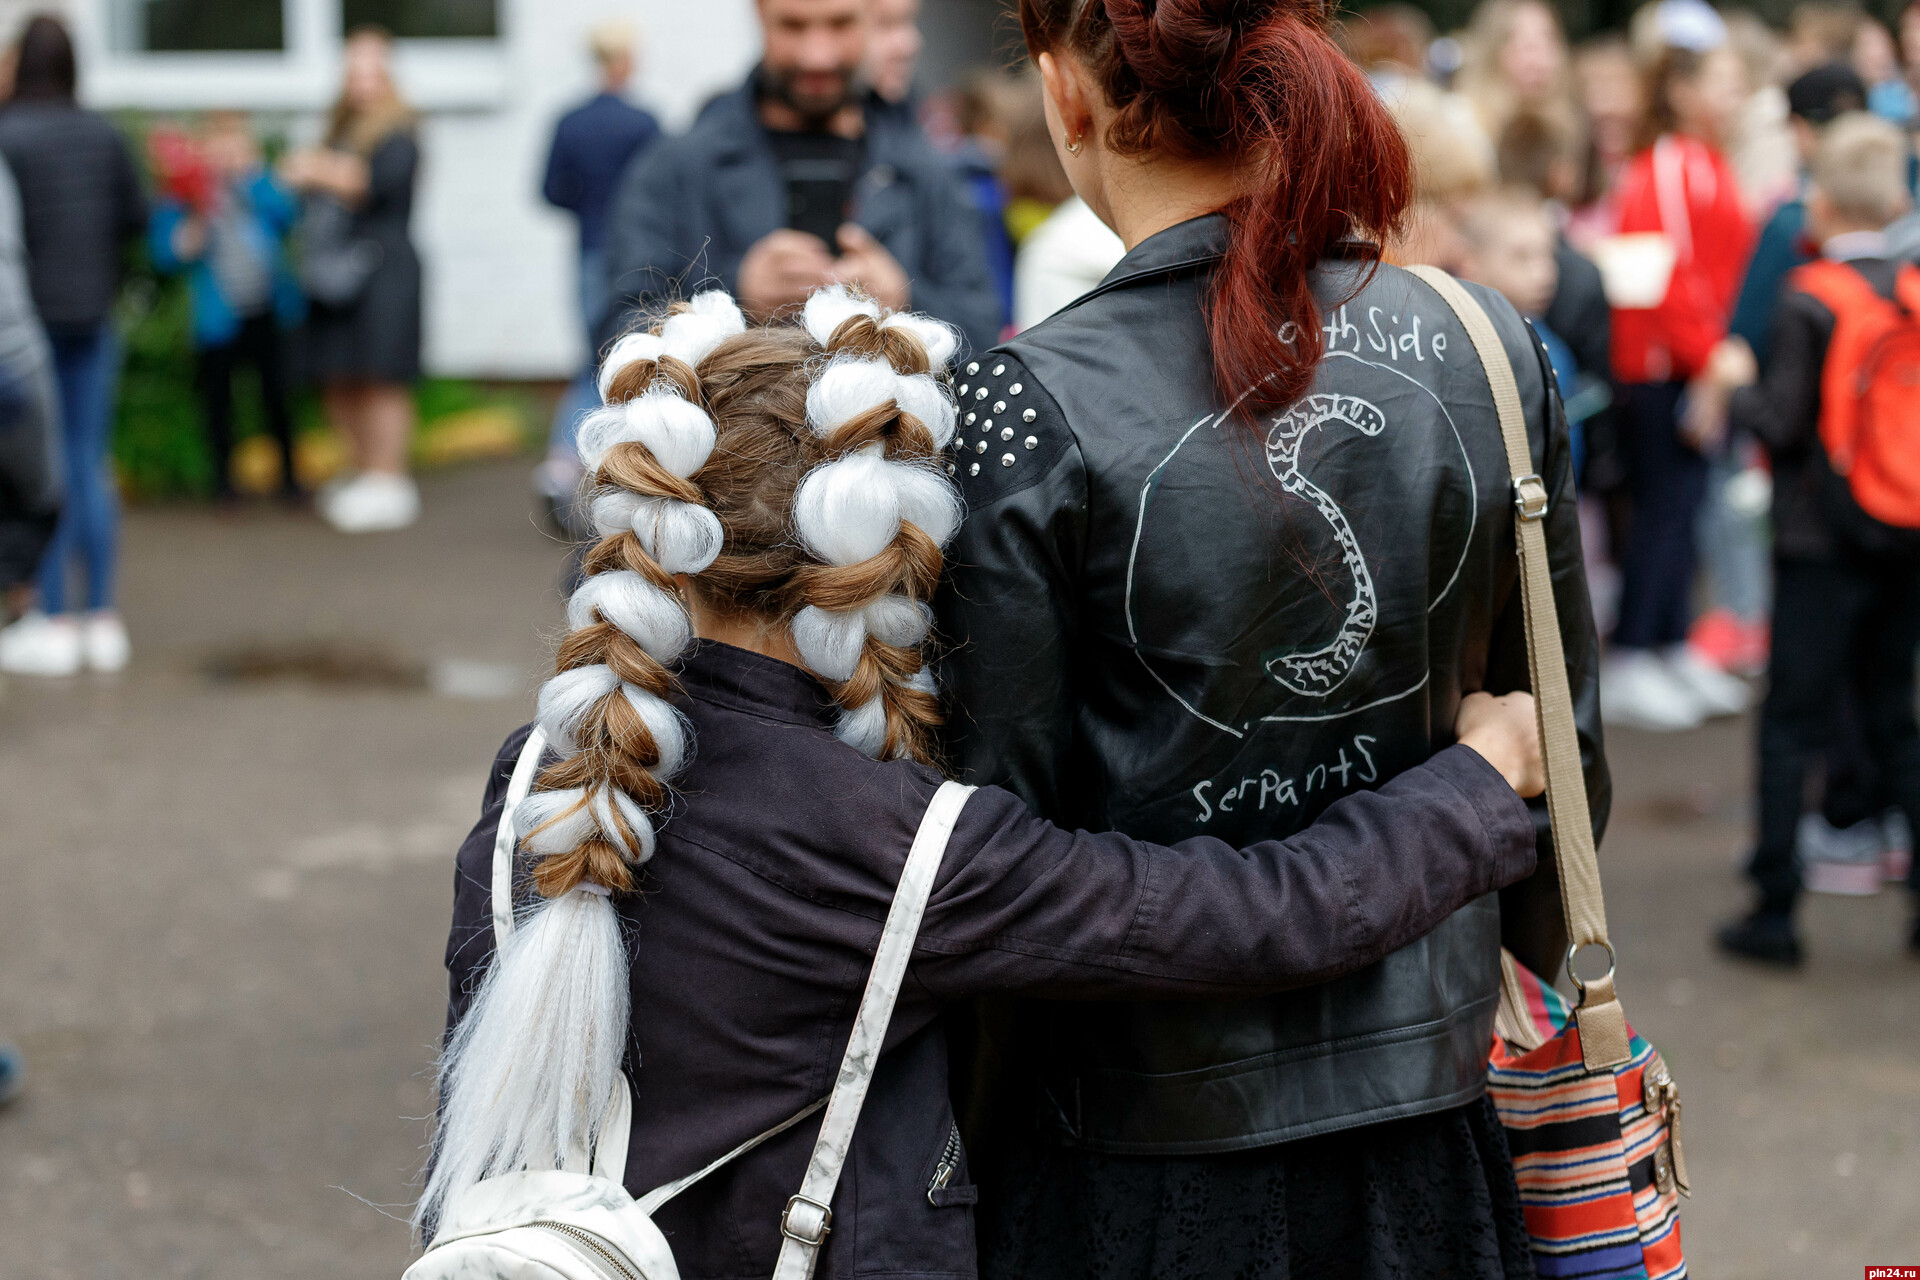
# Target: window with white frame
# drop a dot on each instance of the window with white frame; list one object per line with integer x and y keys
{"x": 283, "y": 55}
{"x": 425, "y": 19}
{"x": 197, "y": 26}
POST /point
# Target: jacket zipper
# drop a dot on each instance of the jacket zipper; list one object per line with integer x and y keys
{"x": 597, "y": 1248}
{"x": 948, "y": 1166}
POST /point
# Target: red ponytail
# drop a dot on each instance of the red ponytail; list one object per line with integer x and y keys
{"x": 1257, "y": 83}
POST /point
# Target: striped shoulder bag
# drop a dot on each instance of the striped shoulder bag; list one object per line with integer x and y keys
{"x": 1591, "y": 1113}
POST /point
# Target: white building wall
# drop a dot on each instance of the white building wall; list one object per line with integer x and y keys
{"x": 500, "y": 263}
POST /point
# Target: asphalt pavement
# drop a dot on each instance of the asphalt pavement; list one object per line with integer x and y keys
{"x": 225, "y": 877}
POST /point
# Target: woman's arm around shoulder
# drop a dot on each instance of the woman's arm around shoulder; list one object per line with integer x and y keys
{"x": 1023, "y": 906}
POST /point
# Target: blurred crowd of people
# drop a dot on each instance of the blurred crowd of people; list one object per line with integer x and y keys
{"x": 343, "y": 312}
{"x": 1652, "y": 201}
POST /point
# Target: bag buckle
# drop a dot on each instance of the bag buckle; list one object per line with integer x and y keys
{"x": 1530, "y": 497}
{"x": 812, "y": 1223}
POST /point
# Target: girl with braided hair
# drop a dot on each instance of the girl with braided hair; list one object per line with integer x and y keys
{"x": 1239, "y": 542}
{"x": 740, "y": 743}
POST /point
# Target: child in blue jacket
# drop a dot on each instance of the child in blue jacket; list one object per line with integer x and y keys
{"x": 231, "y": 243}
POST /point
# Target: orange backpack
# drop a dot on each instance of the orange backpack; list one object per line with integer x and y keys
{"x": 1870, "y": 388}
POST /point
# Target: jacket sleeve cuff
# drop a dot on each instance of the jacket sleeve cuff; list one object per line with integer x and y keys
{"x": 1504, "y": 816}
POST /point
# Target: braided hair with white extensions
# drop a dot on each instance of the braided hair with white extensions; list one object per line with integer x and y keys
{"x": 788, "y": 475}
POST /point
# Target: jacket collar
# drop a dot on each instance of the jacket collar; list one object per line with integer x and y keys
{"x": 741, "y": 680}
{"x": 1180, "y": 247}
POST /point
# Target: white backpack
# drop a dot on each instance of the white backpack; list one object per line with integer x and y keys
{"x": 579, "y": 1223}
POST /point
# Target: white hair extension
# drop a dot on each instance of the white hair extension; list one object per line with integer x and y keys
{"x": 655, "y": 620}
{"x": 679, "y": 434}
{"x": 850, "y": 508}
{"x": 527, "y": 1073}
{"x": 829, "y": 308}
{"x": 851, "y": 385}
{"x": 940, "y": 339}
{"x": 689, "y": 336}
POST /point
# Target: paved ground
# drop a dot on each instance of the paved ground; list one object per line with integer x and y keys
{"x": 222, "y": 907}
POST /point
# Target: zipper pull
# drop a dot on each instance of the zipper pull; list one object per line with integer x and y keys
{"x": 948, "y": 1166}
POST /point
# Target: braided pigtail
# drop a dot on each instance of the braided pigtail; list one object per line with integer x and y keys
{"x": 528, "y": 1073}
{"x": 876, "y": 514}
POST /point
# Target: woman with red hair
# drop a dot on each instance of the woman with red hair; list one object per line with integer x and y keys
{"x": 1240, "y": 539}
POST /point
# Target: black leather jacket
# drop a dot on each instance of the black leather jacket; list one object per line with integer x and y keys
{"x": 1166, "y": 622}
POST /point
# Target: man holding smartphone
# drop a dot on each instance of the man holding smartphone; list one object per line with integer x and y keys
{"x": 800, "y": 178}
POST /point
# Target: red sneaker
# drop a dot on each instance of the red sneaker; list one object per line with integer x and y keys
{"x": 1720, "y": 637}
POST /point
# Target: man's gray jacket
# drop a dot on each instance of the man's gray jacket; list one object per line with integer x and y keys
{"x": 690, "y": 207}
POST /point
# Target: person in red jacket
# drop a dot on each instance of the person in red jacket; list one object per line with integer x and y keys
{"x": 1679, "y": 196}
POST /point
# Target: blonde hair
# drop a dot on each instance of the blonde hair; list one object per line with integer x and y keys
{"x": 789, "y": 475}
{"x": 1860, "y": 165}
{"x": 611, "y": 40}
{"x": 361, "y": 129}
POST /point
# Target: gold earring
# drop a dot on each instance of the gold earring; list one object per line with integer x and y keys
{"x": 1073, "y": 148}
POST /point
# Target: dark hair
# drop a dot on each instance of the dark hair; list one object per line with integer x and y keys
{"x": 1673, "y": 66}
{"x": 45, "y": 68}
{"x": 1257, "y": 83}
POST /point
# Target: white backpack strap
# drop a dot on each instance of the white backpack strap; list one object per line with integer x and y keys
{"x": 503, "y": 838}
{"x": 661, "y": 1194}
{"x": 808, "y": 1216}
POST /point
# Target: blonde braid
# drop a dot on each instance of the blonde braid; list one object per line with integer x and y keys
{"x": 876, "y": 514}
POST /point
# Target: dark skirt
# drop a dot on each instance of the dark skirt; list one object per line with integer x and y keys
{"x": 376, "y": 338}
{"x": 1419, "y": 1198}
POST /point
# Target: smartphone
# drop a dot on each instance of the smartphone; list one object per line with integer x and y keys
{"x": 817, "y": 201}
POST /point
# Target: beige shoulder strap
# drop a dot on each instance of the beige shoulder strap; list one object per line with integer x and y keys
{"x": 1603, "y": 1025}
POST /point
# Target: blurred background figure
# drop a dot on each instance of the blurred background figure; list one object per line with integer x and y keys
{"x": 1517, "y": 64}
{"x": 1673, "y": 272}
{"x": 1064, "y": 248}
{"x": 1614, "y": 103}
{"x": 894, "y": 43}
{"x": 1877, "y": 60}
{"x": 362, "y": 276}
{"x": 1390, "y": 43}
{"x": 1760, "y": 142}
{"x": 1733, "y": 632}
{"x": 1511, "y": 247}
{"x": 80, "y": 203}
{"x": 800, "y": 177}
{"x": 592, "y": 146}
{"x": 30, "y": 443}
{"x": 988, "y": 103}
{"x": 1453, "y": 161}
{"x": 223, "y": 219}
{"x": 1846, "y": 563}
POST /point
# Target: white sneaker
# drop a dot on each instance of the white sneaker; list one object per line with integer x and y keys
{"x": 1715, "y": 691}
{"x": 38, "y": 645}
{"x": 1638, "y": 691}
{"x": 103, "y": 641}
{"x": 372, "y": 502}
{"x": 1842, "y": 860}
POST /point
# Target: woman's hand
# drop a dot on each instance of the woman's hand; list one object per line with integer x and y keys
{"x": 338, "y": 173}
{"x": 1506, "y": 732}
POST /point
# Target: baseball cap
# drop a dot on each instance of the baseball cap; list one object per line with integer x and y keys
{"x": 1825, "y": 92}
